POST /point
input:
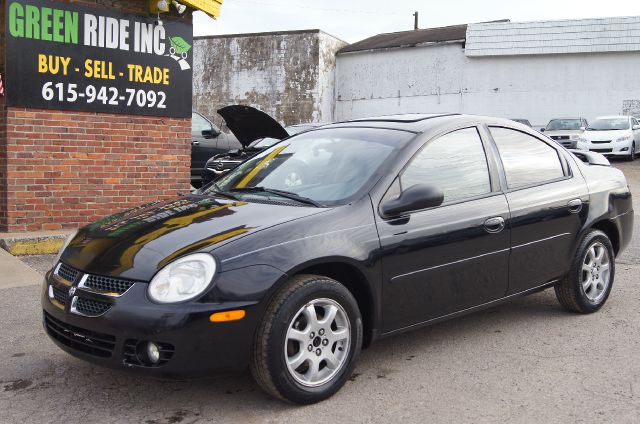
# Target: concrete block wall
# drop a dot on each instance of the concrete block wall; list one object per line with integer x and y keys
{"x": 64, "y": 169}
{"x": 288, "y": 75}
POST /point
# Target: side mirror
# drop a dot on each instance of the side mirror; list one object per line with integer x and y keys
{"x": 541, "y": 129}
{"x": 210, "y": 133}
{"x": 415, "y": 198}
{"x": 583, "y": 128}
{"x": 636, "y": 127}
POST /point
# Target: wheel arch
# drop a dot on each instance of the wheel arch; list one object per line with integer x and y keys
{"x": 354, "y": 279}
{"x": 611, "y": 230}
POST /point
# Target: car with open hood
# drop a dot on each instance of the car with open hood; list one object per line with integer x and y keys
{"x": 617, "y": 136}
{"x": 400, "y": 222}
{"x": 262, "y": 136}
{"x": 565, "y": 131}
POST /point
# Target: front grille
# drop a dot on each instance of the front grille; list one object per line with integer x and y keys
{"x": 66, "y": 272}
{"x": 601, "y": 141}
{"x": 602, "y": 150}
{"x": 83, "y": 340}
{"x": 560, "y": 137}
{"x": 107, "y": 284}
{"x": 59, "y": 294}
{"x": 91, "y": 307}
{"x": 132, "y": 348}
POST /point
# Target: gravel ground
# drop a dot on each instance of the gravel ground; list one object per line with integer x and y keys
{"x": 525, "y": 361}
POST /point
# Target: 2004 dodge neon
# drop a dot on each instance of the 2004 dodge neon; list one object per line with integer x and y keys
{"x": 391, "y": 223}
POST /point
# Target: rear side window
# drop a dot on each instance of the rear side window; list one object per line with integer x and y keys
{"x": 526, "y": 159}
{"x": 455, "y": 163}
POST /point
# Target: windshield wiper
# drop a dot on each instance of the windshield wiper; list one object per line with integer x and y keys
{"x": 281, "y": 193}
{"x": 216, "y": 190}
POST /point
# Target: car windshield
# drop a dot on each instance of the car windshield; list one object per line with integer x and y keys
{"x": 563, "y": 124}
{"x": 607, "y": 124}
{"x": 326, "y": 166}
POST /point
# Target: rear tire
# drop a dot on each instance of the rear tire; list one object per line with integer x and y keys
{"x": 308, "y": 341}
{"x": 587, "y": 285}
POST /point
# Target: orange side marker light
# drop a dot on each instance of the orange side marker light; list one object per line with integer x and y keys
{"x": 227, "y": 316}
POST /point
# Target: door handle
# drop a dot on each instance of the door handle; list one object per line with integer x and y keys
{"x": 494, "y": 225}
{"x": 195, "y": 143}
{"x": 574, "y": 205}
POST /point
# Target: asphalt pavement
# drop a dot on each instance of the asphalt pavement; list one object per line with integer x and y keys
{"x": 527, "y": 361}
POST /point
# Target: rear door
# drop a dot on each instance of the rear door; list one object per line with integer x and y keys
{"x": 444, "y": 259}
{"x": 548, "y": 202}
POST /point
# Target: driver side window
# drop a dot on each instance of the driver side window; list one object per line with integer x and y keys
{"x": 199, "y": 124}
{"x": 454, "y": 163}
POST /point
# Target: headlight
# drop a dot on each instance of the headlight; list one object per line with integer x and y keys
{"x": 65, "y": 244}
{"x": 624, "y": 138}
{"x": 574, "y": 137}
{"x": 183, "y": 279}
{"x": 582, "y": 140}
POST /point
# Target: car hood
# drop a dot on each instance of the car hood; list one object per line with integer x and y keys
{"x": 136, "y": 243}
{"x": 605, "y": 135}
{"x": 249, "y": 124}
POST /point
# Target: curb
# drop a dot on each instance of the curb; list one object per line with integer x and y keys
{"x": 19, "y": 244}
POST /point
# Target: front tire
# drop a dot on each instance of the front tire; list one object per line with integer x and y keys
{"x": 308, "y": 341}
{"x": 588, "y": 284}
{"x": 632, "y": 154}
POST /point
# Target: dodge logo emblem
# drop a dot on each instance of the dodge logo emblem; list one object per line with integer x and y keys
{"x": 72, "y": 291}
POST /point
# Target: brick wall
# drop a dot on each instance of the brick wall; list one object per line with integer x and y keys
{"x": 3, "y": 145}
{"x": 63, "y": 169}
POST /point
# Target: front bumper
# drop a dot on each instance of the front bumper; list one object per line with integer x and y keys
{"x": 191, "y": 346}
{"x": 209, "y": 174}
{"x": 567, "y": 143}
{"x": 607, "y": 149}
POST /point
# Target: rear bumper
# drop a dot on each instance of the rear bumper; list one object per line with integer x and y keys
{"x": 624, "y": 223}
{"x": 192, "y": 346}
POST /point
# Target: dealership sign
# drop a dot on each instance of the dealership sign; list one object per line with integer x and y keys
{"x": 63, "y": 56}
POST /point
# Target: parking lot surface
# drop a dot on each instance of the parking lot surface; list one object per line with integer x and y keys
{"x": 525, "y": 361}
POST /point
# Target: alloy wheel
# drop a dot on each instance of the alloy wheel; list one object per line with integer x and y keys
{"x": 596, "y": 272}
{"x": 317, "y": 342}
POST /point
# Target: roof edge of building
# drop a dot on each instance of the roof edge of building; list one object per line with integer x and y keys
{"x": 257, "y": 34}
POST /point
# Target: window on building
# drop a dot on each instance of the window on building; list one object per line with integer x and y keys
{"x": 527, "y": 160}
{"x": 455, "y": 163}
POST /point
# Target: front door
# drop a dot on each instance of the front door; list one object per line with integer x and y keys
{"x": 548, "y": 202}
{"x": 448, "y": 258}
{"x": 203, "y": 147}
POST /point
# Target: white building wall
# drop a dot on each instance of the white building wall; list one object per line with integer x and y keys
{"x": 554, "y": 37}
{"x": 442, "y": 79}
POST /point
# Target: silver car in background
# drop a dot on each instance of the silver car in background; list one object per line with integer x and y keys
{"x": 565, "y": 130}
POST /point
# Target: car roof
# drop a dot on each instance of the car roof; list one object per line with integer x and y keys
{"x": 422, "y": 122}
{"x": 613, "y": 117}
{"x": 559, "y": 119}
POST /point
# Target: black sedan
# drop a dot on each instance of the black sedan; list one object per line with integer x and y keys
{"x": 402, "y": 222}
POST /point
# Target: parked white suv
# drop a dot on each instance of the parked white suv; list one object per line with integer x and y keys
{"x": 612, "y": 136}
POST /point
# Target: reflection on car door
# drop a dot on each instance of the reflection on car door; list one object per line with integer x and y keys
{"x": 548, "y": 201}
{"x": 455, "y": 256}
